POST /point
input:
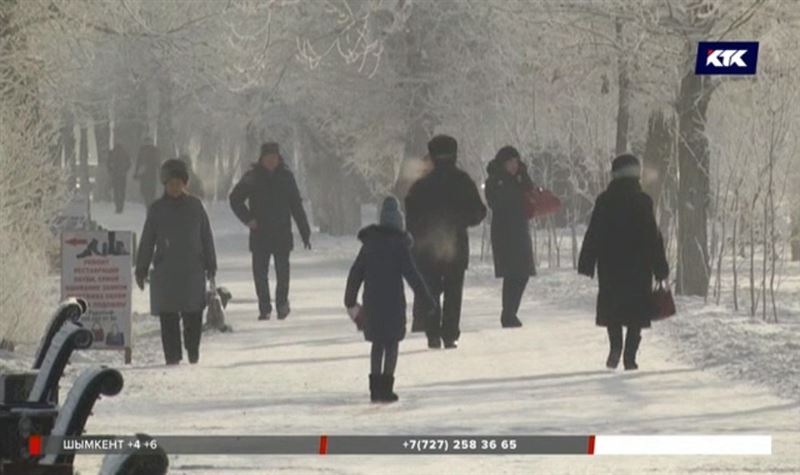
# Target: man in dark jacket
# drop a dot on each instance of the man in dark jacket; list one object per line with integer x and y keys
{"x": 266, "y": 199}
{"x": 119, "y": 162}
{"x": 178, "y": 241}
{"x": 148, "y": 163}
{"x": 624, "y": 244}
{"x": 440, "y": 207}
{"x": 506, "y": 190}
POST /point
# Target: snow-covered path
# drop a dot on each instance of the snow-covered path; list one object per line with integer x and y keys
{"x": 308, "y": 376}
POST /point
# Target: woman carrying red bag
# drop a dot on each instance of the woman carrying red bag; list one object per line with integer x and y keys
{"x": 507, "y": 190}
{"x": 624, "y": 243}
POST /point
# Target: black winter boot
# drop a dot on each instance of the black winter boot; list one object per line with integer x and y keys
{"x": 510, "y": 322}
{"x": 387, "y": 388}
{"x": 284, "y": 311}
{"x": 613, "y": 358}
{"x": 632, "y": 340}
{"x": 375, "y": 386}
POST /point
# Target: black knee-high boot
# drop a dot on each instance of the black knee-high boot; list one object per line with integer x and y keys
{"x": 389, "y": 365}
{"x": 387, "y": 386}
{"x": 615, "y": 343}
{"x": 632, "y": 339}
{"x": 375, "y": 377}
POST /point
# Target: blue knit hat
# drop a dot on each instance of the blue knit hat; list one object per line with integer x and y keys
{"x": 390, "y": 214}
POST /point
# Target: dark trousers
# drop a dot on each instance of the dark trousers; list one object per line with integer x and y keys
{"x": 383, "y": 357}
{"x": 261, "y": 279}
{"x": 450, "y": 284}
{"x": 118, "y": 185}
{"x": 513, "y": 288}
{"x": 171, "y": 335}
{"x": 632, "y": 339}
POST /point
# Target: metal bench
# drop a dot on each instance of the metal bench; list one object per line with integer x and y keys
{"x": 88, "y": 388}
{"x": 70, "y": 422}
{"x": 14, "y": 388}
{"x": 71, "y": 309}
{"x": 37, "y": 413}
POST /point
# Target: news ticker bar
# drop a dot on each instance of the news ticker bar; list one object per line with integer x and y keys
{"x": 407, "y": 445}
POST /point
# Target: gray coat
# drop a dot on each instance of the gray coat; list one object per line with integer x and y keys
{"x": 178, "y": 241}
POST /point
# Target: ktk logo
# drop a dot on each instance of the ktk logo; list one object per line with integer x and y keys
{"x": 726, "y": 57}
{"x": 730, "y": 57}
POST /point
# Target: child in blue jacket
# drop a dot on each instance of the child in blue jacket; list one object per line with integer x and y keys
{"x": 384, "y": 260}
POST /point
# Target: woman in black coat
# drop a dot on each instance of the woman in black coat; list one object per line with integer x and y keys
{"x": 624, "y": 243}
{"x": 178, "y": 241}
{"x": 384, "y": 260}
{"x": 511, "y": 238}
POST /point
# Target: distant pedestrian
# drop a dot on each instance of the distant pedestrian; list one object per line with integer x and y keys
{"x": 506, "y": 190}
{"x": 266, "y": 199}
{"x": 440, "y": 207}
{"x": 178, "y": 241}
{"x": 625, "y": 245}
{"x": 382, "y": 263}
{"x": 119, "y": 162}
{"x": 148, "y": 162}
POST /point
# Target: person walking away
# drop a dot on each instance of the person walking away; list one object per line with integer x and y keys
{"x": 178, "y": 241}
{"x": 625, "y": 245}
{"x": 266, "y": 199}
{"x": 440, "y": 207}
{"x": 382, "y": 263}
{"x": 512, "y": 250}
{"x": 119, "y": 162}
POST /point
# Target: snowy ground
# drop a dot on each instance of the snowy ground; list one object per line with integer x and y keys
{"x": 308, "y": 376}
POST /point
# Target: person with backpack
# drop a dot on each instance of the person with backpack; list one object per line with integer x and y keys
{"x": 381, "y": 265}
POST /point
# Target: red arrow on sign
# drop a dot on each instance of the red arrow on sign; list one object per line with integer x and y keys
{"x": 76, "y": 241}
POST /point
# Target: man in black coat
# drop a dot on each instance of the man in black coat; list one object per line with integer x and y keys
{"x": 506, "y": 189}
{"x": 266, "y": 199}
{"x": 440, "y": 207}
{"x": 625, "y": 244}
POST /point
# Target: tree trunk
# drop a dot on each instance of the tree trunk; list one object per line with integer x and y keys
{"x": 623, "y": 98}
{"x": 734, "y": 256}
{"x": 166, "y": 131}
{"x": 83, "y": 152}
{"x": 420, "y": 122}
{"x": 68, "y": 138}
{"x": 694, "y": 187}
{"x": 795, "y": 233}
{"x": 102, "y": 181}
{"x": 206, "y": 159}
{"x": 334, "y": 193}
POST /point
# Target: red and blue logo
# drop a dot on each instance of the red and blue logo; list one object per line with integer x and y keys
{"x": 727, "y": 57}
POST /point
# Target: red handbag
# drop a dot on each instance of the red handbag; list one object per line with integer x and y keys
{"x": 663, "y": 303}
{"x": 541, "y": 202}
